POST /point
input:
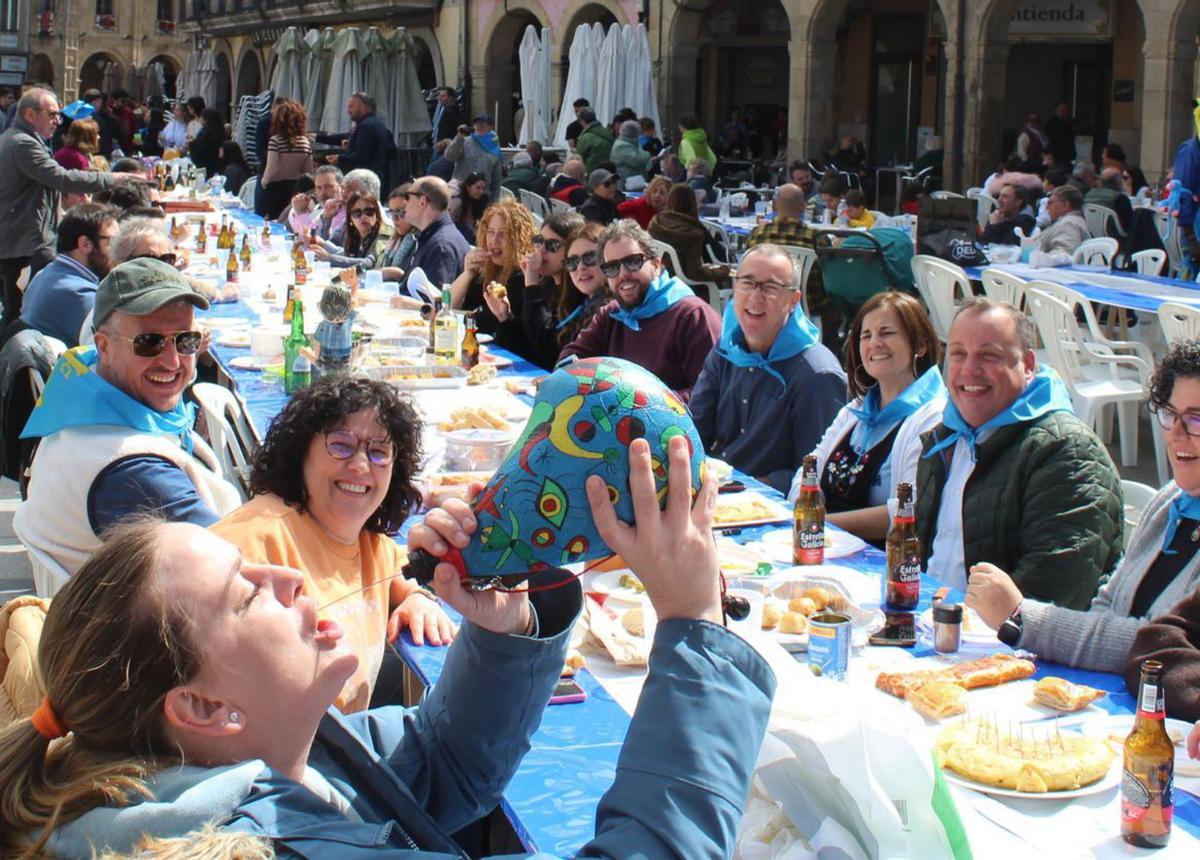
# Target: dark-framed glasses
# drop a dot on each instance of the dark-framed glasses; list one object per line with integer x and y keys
{"x": 342, "y": 445}
{"x": 169, "y": 258}
{"x": 746, "y": 285}
{"x": 150, "y": 343}
{"x": 1167, "y": 417}
{"x": 631, "y": 263}
{"x": 365, "y": 210}
{"x": 587, "y": 258}
{"x": 551, "y": 245}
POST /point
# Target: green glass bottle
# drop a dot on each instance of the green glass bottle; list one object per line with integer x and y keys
{"x": 297, "y": 369}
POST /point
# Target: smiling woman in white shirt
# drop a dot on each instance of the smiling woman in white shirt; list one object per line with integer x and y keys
{"x": 892, "y": 357}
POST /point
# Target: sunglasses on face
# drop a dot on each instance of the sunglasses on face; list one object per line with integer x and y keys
{"x": 150, "y": 343}
{"x": 397, "y": 214}
{"x": 167, "y": 258}
{"x": 587, "y": 258}
{"x": 551, "y": 245}
{"x": 360, "y": 213}
{"x": 342, "y": 445}
{"x": 631, "y": 263}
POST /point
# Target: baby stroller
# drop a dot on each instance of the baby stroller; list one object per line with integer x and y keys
{"x": 857, "y": 264}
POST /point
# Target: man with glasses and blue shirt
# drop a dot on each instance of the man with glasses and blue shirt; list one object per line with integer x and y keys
{"x": 1011, "y": 480}
{"x": 116, "y": 438}
{"x": 769, "y": 388}
{"x": 655, "y": 320}
{"x": 30, "y": 184}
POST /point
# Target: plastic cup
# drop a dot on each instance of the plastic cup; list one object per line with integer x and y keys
{"x": 222, "y": 259}
{"x": 265, "y": 344}
{"x": 373, "y": 279}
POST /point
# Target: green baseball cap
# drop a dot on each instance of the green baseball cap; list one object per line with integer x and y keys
{"x": 141, "y": 287}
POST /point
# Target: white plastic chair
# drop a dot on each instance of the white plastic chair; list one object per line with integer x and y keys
{"x": 1078, "y": 303}
{"x": 534, "y": 203}
{"x": 881, "y": 220}
{"x": 559, "y": 206}
{"x": 706, "y": 289}
{"x": 1150, "y": 261}
{"x": 1100, "y": 219}
{"x": 806, "y": 258}
{"x": 232, "y": 438}
{"x": 1096, "y": 252}
{"x": 1137, "y": 497}
{"x": 718, "y": 233}
{"x": 505, "y": 194}
{"x": 1004, "y": 286}
{"x": 1168, "y": 231}
{"x": 984, "y": 204}
{"x": 1179, "y": 321}
{"x": 1094, "y": 379}
{"x": 48, "y": 575}
{"x": 946, "y": 195}
{"x": 941, "y": 285}
{"x": 247, "y": 193}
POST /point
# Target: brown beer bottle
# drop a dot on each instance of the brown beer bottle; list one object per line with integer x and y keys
{"x": 231, "y": 268}
{"x": 808, "y": 517}
{"x": 223, "y": 238}
{"x": 289, "y": 309}
{"x": 470, "y": 344}
{"x": 244, "y": 257}
{"x": 1146, "y": 803}
{"x": 902, "y": 589}
{"x": 299, "y": 264}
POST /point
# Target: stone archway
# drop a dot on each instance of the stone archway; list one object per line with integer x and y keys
{"x": 171, "y": 67}
{"x": 249, "y": 76}
{"x": 427, "y": 67}
{"x": 501, "y": 73}
{"x": 224, "y": 85}
{"x": 92, "y": 72}
{"x": 41, "y": 69}
{"x": 1169, "y": 83}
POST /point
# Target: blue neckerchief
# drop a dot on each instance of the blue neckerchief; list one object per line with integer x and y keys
{"x": 488, "y": 141}
{"x": 1183, "y": 506}
{"x": 797, "y": 335}
{"x": 588, "y": 303}
{"x": 664, "y": 291}
{"x": 874, "y": 424}
{"x": 1044, "y": 394}
{"x": 76, "y": 396}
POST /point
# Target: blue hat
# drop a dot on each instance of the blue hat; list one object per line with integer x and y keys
{"x": 78, "y": 110}
{"x": 483, "y": 117}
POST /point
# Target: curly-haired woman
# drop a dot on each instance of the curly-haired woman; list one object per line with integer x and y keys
{"x": 504, "y": 237}
{"x": 1161, "y": 565}
{"x": 289, "y": 155}
{"x": 358, "y": 444}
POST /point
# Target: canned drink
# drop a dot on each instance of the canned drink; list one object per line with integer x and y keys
{"x": 829, "y": 644}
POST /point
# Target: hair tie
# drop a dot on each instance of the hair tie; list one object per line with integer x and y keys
{"x": 46, "y": 721}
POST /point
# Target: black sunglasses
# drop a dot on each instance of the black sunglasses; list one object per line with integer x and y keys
{"x": 150, "y": 343}
{"x": 631, "y": 263}
{"x": 408, "y": 194}
{"x": 587, "y": 258}
{"x": 168, "y": 258}
{"x": 358, "y": 213}
{"x": 551, "y": 245}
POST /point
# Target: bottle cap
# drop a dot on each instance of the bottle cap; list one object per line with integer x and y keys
{"x": 948, "y": 613}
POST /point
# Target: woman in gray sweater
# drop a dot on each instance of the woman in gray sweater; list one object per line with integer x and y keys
{"x": 1161, "y": 565}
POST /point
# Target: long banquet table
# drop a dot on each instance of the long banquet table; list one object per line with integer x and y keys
{"x": 1105, "y": 286}
{"x": 552, "y": 800}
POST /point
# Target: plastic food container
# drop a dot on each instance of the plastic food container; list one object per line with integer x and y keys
{"x": 477, "y": 450}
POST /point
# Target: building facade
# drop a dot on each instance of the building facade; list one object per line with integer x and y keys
{"x": 889, "y": 72}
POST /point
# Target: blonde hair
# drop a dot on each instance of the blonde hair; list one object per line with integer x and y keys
{"x": 111, "y": 649}
{"x": 519, "y": 224}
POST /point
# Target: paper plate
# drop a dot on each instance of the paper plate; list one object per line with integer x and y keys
{"x": 237, "y": 338}
{"x": 1114, "y": 729}
{"x": 838, "y": 544}
{"x": 495, "y": 360}
{"x": 1111, "y": 780}
{"x": 609, "y": 583}
{"x": 252, "y": 362}
{"x": 760, "y": 510}
{"x": 215, "y": 323}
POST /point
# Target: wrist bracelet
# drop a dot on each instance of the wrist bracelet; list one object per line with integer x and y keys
{"x": 427, "y": 592}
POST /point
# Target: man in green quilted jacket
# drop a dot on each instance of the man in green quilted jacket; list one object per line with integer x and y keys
{"x": 1011, "y": 476}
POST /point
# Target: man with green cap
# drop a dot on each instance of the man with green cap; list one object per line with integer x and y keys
{"x": 116, "y": 438}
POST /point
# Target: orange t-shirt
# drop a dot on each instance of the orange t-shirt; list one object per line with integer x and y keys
{"x": 268, "y": 531}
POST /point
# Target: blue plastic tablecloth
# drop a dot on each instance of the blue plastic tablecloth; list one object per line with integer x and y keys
{"x": 552, "y": 799}
{"x": 1114, "y": 296}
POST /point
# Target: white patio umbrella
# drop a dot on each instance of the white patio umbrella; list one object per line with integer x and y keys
{"x": 639, "y": 79}
{"x": 206, "y": 78}
{"x": 156, "y": 80}
{"x": 610, "y": 76}
{"x": 410, "y": 116}
{"x": 580, "y": 77}
{"x": 112, "y": 77}
{"x": 344, "y": 79}
{"x": 594, "y": 47}
{"x": 135, "y": 82}
{"x": 376, "y": 72}
{"x": 291, "y": 53}
{"x": 316, "y": 82}
{"x": 534, "y": 53}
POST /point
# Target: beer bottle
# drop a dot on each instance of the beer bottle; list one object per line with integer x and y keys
{"x": 168, "y": 183}
{"x": 297, "y": 369}
{"x": 244, "y": 257}
{"x": 223, "y": 236}
{"x": 299, "y": 264}
{"x": 445, "y": 333}
{"x": 266, "y": 236}
{"x": 808, "y": 517}
{"x": 231, "y": 268}
{"x": 1146, "y": 803}
{"x": 902, "y": 588}
{"x": 290, "y": 308}
{"x": 470, "y": 344}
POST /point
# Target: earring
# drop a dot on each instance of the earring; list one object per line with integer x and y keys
{"x": 235, "y": 717}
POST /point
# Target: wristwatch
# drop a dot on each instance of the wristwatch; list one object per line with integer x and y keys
{"x": 1010, "y": 631}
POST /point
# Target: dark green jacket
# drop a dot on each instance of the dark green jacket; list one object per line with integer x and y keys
{"x": 1043, "y": 504}
{"x": 594, "y": 146}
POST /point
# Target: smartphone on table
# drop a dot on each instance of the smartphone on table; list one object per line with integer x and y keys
{"x": 566, "y": 691}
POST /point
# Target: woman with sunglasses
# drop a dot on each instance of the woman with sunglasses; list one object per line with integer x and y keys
{"x": 505, "y": 237}
{"x": 358, "y": 445}
{"x": 896, "y": 390}
{"x": 367, "y": 237}
{"x": 1161, "y": 565}
{"x": 585, "y": 289}
{"x": 543, "y": 285}
{"x": 397, "y": 256}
